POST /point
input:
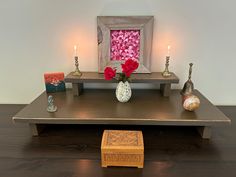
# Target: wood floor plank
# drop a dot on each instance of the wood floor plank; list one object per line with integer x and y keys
{"x": 84, "y": 167}
{"x": 74, "y": 150}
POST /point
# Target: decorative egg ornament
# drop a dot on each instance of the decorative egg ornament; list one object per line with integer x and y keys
{"x": 191, "y": 102}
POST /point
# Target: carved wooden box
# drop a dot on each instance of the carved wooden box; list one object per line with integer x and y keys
{"x": 122, "y": 148}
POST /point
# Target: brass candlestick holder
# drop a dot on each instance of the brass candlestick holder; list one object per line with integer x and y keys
{"x": 166, "y": 72}
{"x": 77, "y": 71}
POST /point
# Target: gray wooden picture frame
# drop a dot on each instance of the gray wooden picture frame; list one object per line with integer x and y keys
{"x": 107, "y": 23}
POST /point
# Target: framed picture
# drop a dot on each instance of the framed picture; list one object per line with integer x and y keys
{"x": 124, "y": 37}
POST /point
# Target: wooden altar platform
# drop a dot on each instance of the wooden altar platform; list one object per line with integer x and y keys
{"x": 99, "y": 106}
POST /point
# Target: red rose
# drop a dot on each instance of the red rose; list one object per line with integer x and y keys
{"x": 126, "y": 70}
{"x": 109, "y": 73}
{"x": 129, "y": 67}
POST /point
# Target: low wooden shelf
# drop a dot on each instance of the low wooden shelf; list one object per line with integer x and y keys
{"x": 95, "y": 77}
{"x": 99, "y": 106}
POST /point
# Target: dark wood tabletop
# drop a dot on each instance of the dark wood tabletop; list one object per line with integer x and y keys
{"x": 96, "y": 106}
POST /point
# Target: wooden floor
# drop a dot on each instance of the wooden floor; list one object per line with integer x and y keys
{"x": 74, "y": 150}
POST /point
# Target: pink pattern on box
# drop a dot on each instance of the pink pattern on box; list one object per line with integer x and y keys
{"x": 125, "y": 44}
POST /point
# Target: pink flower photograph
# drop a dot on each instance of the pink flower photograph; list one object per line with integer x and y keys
{"x": 125, "y": 44}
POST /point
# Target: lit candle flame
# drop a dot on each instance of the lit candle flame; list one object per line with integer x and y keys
{"x": 75, "y": 50}
{"x": 168, "y": 50}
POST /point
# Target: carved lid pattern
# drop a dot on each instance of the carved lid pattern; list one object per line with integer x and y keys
{"x": 122, "y": 138}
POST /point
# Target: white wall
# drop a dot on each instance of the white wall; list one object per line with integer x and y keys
{"x": 37, "y": 36}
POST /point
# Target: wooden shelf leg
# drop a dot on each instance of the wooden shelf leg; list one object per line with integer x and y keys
{"x": 35, "y": 129}
{"x": 165, "y": 89}
{"x": 77, "y": 88}
{"x": 205, "y": 132}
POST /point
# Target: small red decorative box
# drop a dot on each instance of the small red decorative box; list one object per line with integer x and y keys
{"x": 54, "y": 82}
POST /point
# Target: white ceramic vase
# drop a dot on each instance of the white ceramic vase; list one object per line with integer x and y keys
{"x": 123, "y": 91}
